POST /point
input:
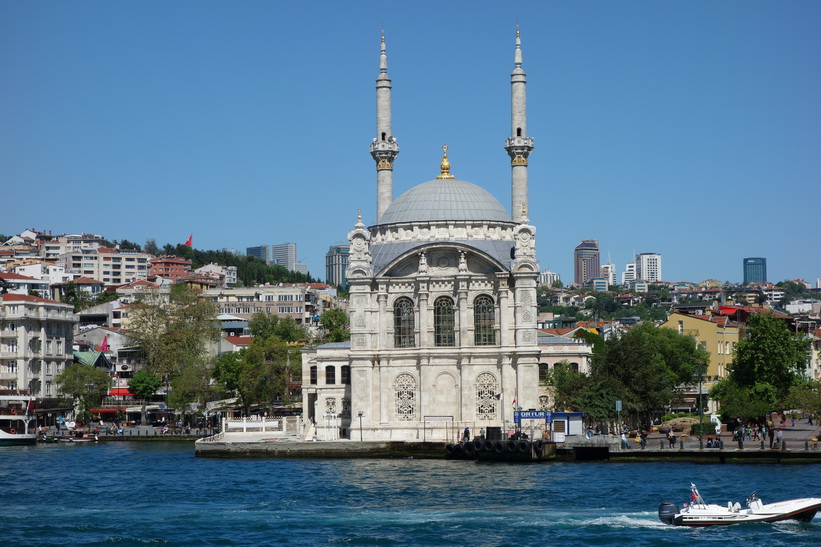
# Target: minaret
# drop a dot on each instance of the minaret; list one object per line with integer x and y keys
{"x": 519, "y": 145}
{"x": 384, "y": 147}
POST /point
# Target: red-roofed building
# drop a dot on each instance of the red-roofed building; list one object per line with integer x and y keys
{"x": 22, "y": 284}
{"x": 170, "y": 267}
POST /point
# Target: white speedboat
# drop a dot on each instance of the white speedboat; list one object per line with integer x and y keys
{"x": 698, "y": 513}
{"x": 18, "y": 424}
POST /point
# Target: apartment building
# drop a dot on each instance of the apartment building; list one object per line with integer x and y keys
{"x": 297, "y": 301}
{"x": 35, "y": 343}
{"x": 111, "y": 266}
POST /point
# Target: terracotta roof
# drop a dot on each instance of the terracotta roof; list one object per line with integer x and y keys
{"x": 106, "y": 250}
{"x": 558, "y": 332}
{"x": 17, "y": 277}
{"x": 28, "y": 298}
{"x": 82, "y": 281}
{"x": 239, "y": 340}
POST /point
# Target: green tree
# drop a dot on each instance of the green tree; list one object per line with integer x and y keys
{"x": 805, "y": 396}
{"x": 174, "y": 335}
{"x": 190, "y": 385}
{"x": 144, "y": 384}
{"x": 264, "y": 375}
{"x": 263, "y": 325}
{"x": 769, "y": 354}
{"x": 645, "y": 365}
{"x": 86, "y": 385}
{"x": 227, "y": 371}
{"x": 335, "y": 323}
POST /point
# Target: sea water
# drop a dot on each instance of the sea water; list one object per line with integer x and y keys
{"x": 147, "y": 493}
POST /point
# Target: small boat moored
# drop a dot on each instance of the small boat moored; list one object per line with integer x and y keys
{"x": 18, "y": 423}
{"x": 698, "y": 513}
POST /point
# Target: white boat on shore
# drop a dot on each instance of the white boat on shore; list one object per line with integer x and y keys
{"x": 18, "y": 424}
{"x": 698, "y": 513}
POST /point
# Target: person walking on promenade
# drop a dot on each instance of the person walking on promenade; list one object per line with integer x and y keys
{"x": 778, "y": 439}
{"x": 771, "y": 435}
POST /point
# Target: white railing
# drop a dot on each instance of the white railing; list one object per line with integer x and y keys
{"x": 254, "y": 423}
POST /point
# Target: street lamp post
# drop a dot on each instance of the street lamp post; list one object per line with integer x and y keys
{"x": 360, "y": 424}
{"x": 700, "y": 410}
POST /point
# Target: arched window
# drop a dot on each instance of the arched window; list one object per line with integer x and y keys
{"x": 346, "y": 375}
{"x": 484, "y": 321}
{"x": 403, "y": 323}
{"x": 313, "y": 376}
{"x": 575, "y": 367}
{"x": 486, "y": 393}
{"x": 330, "y": 375}
{"x": 443, "y": 322}
{"x": 405, "y": 390}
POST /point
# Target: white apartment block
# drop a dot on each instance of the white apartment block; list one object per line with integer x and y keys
{"x": 297, "y": 301}
{"x": 111, "y": 266}
{"x": 629, "y": 273}
{"x": 70, "y": 243}
{"x": 226, "y": 275}
{"x": 50, "y": 273}
{"x": 648, "y": 267}
{"x": 548, "y": 278}
{"x": 35, "y": 343}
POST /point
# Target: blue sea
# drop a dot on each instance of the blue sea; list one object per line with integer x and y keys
{"x": 143, "y": 493}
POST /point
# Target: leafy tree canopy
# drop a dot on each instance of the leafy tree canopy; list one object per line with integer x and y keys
{"x": 335, "y": 323}
{"x": 85, "y": 384}
{"x": 144, "y": 384}
{"x": 769, "y": 359}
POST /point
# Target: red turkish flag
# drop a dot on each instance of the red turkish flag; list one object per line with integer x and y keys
{"x": 189, "y": 241}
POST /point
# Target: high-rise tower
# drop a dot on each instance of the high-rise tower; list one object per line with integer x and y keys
{"x": 384, "y": 147}
{"x": 586, "y": 261}
{"x": 519, "y": 145}
{"x": 755, "y": 270}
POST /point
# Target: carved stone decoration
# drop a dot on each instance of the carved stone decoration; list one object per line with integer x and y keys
{"x": 405, "y": 391}
{"x": 423, "y": 264}
{"x": 544, "y": 403}
{"x": 330, "y": 405}
{"x": 359, "y": 341}
{"x": 463, "y": 263}
{"x": 360, "y": 320}
{"x": 527, "y": 336}
{"x": 526, "y": 316}
{"x": 486, "y": 401}
{"x": 346, "y": 408}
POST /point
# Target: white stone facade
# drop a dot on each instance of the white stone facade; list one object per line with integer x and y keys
{"x": 442, "y": 309}
{"x": 35, "y": 343}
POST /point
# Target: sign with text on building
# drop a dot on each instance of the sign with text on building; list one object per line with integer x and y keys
{"x": 520, "y": 415}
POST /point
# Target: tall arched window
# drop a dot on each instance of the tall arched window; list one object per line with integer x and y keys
{"x": 313, "y": 375}
{"x": 405, "y": 390}
{"x": 486, "y": 392}
{"x": 484, "y": 321}
{"x": 443, "y": 322}
{"x": 403, "y": 323}
{"x": 330, "y": 375}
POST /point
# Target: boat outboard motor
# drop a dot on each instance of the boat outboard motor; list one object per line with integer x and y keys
{"x": 668, "y": 512}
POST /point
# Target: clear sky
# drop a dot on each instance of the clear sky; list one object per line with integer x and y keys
{"x": 691, "y": 129}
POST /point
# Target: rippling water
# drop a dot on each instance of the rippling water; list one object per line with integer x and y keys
{"x": 159, "y": 493}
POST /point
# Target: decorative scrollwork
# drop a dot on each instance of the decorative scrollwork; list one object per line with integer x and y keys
{"x": 486, "y": 392}
{"x": 405, "y": 389}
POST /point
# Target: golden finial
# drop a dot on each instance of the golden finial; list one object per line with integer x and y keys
{"x": 445, "y": 165}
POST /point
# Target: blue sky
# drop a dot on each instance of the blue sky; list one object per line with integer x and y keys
{"x": 691, "y": 129}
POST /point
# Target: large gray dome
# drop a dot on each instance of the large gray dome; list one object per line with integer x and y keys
{"x": 444, "y": 199}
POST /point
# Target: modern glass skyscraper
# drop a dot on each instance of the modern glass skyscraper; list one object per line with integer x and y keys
{"x": 262, "y": 252}
{"x": 755, "y": 270}
{"x": 336, "y": 264}
{"x": 586, "y": 261}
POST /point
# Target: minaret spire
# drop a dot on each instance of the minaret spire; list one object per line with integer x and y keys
{"x": 384, "y": 147}
{"x": 519, "y": 145}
